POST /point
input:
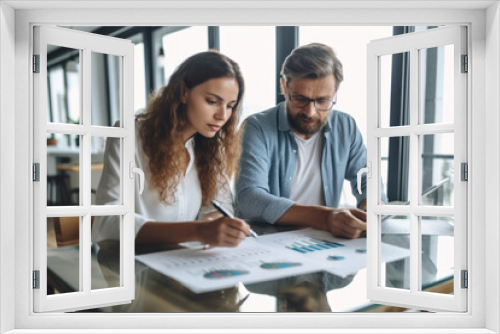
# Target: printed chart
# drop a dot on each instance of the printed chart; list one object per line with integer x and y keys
{"x": 341, "y": 257}
{"x": 224, "y": 273}
{"x": 307, "y": 245}
{"x": 218, "y": 268}
{"x": 269, "y": 257}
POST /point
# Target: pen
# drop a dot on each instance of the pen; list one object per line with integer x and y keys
{"x": 230, "y": 215}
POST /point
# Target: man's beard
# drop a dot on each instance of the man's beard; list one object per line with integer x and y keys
{"x": 297, "y": 124}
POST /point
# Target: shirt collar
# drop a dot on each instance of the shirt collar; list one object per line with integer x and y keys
{"x": 283, "y": 124}
{"x": 189, "y": 145}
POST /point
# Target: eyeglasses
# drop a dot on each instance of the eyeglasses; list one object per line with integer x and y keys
{"x": 321, "y": 104}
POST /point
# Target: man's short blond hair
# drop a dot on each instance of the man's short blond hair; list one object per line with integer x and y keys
{"x": 312, "y": 61}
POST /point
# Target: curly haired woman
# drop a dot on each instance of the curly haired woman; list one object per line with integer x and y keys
{"x": 188, "y": 146}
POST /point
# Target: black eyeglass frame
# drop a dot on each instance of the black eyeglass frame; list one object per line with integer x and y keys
{"x": 333, "y": 102}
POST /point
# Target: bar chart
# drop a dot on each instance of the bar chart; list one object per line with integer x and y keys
{"x": 308, "y": 245}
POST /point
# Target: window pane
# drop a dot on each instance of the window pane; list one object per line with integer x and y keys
{"x": 437, "y": 169}
{"x": 394, "y": 168}
{"x": 106, "y": 79}
{"x": 139, "y": 77}
{"x": 63, "y": 169}
{"x": 437, "y": 254}
{"x": 396, "y": 231}
{"x": 105, "y": 171}
{"x": 64, "y": 85}
{"x": 254, "y": 49}
{"x": 63, "y": 256}
{"x": 73, "y": 84}
{"x": 57, "y": 95}
{"x": 178, "y": 46}
{"x": 106, "y": 257}
{"x": 394, "y": 90}
{"x": 437, "y": 82}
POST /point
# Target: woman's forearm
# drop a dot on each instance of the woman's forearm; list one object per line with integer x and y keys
{"x": 155, "y": 232}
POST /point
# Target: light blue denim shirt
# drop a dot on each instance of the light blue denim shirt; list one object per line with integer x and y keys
{"x": 268, "y": 160}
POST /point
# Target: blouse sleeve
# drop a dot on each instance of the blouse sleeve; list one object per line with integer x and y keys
{"x": 224, "y": 197}
{"x": 108, "y": 193}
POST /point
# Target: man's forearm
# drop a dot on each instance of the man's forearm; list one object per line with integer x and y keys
{"x": 306, "y": 215}
{"x": 343, "y": 223}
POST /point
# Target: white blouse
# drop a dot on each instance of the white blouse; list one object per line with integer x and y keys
{"x": 148, "y": 207}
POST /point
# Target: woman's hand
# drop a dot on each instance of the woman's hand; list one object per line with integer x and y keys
{"x": 223, "y": 232}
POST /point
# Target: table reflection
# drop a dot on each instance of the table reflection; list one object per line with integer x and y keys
{"x": 156, "y": 293}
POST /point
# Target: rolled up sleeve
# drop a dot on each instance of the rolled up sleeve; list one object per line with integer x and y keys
{"x": 253, "y": 198}
{"x": 224, "y": 197}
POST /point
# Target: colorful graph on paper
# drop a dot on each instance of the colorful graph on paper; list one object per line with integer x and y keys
{"x": 307, "y": 245}
{"x": 341, "y": 257}
{"x": 224, "y": 273}
{"x": 268, "y": 258}
{"x": 279, "y": 265}
{"x": 218, "y": 268}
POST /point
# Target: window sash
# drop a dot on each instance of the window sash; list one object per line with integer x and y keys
{"x": 414, "y": 297}
{"x": 87, "y": 43}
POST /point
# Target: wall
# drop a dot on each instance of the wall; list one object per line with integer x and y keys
{"x": 492, "y": 162}
{"x": 23, "y": 129}
{"x": 7, "y": 187}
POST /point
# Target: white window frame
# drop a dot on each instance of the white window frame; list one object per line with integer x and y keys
{"x": 86, "y": 43}
{"x": 413, "y": 43}
{"x": 483, "y": 21}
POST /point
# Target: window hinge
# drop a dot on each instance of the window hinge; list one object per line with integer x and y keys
{"x": 465, "y": 64}
{"x": 465, "y": 279}
{"x": 36, "y": 172}
{"x": 36, "y": 63}
{"x": 464, "y": 172}
{"x": 36, "y": 279}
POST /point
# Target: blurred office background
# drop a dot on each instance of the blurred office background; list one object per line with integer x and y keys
{"x": 260, "y": 51}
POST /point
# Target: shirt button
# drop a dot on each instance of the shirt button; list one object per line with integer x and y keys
{"x": 290, "y": 178}
{"x": 294, "y": 151}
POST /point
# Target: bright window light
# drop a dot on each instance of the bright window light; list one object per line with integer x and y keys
{"x": 182, "y": 44}
{"x": 254, "y": 49}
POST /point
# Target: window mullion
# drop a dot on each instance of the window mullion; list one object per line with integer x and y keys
{"x": 214, "y": 37}
{"x": 287, "y": 39}
{"x": 414, "y": 173}
{"x": 127, "y": 250}
{"x": 69, "y": 129}
{"x": 85, "y": 176}
{"x": 419, "y": 211}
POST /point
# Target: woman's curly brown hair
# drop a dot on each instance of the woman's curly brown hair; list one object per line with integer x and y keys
{"x": 165, "y": 119}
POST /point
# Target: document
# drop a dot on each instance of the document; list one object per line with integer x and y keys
{"x": 218, "y": 268}
{"x": 340, "y": 257}
{"x": 269, "y": 257}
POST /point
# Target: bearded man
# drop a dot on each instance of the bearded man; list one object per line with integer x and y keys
{"x": 296, "y": 155}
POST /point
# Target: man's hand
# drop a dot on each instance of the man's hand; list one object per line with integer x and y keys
{"x": 362, "y": 205}
{"x": 223, "y": 232}
{"x": 346, "y": 223}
